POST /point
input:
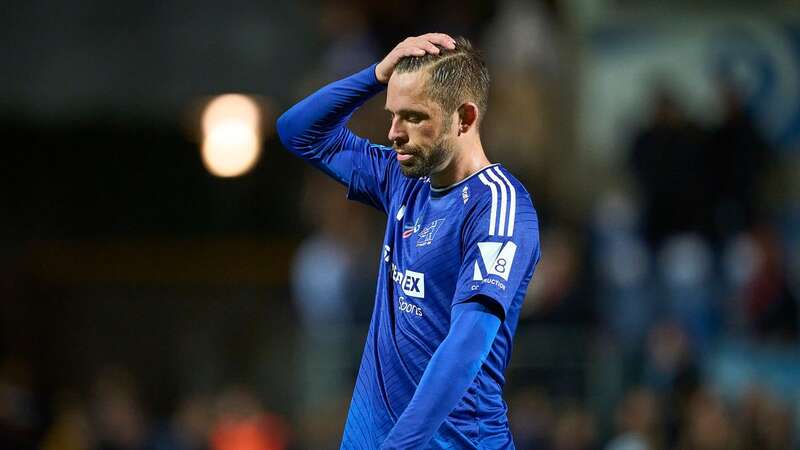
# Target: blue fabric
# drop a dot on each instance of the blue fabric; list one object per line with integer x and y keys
{"x": 476, "y": 240}
{"x": 314, "y": 129}
{"x": 473, "y": 327}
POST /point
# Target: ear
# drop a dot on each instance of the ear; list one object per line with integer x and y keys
{"x": 467, "y": 117}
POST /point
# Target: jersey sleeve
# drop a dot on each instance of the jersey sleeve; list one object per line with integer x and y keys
{"x": 374, "y": 177}
{"x": 500, "y": 246}
{"x": 315, "y": 129}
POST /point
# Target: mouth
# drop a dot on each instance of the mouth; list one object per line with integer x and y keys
{"x": 404, "y": 156}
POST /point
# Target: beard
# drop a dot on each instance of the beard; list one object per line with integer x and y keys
{"x": 427, "y": 159}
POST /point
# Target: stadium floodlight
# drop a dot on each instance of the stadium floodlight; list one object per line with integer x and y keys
{"x": 231, "y": 135}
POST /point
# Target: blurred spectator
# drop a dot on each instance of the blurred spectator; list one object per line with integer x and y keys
{"x": 669, "y": 362}
{"x": 559, "y": 292}
{"x": 575, "y": 429}
{"x": 765, "y": 421}
{"x": 330, "y": 290}
{"x": 740, "y": 259}
{"x": 243, "y": 424}
{"x": 639, "y": 424}
{"x": 627, "y": 306}
{"x": 521, "y": 38}
{"x": 19, "y": 414}
{"x": 116, "y": 415}
{"x": 323, "y": 261}
{"x": 738, "y": 154}
{"x": 518, "y": 131}
{"x": 532, "y": 419}
{"x": 667, "y": 159}
{"x": 671, "y": 371}
{"x": 189, "y": 428}
{"x": 770, "y": 308}
{"x": 349, "y": 44}
{"x": 70, "y": 429}
{"x": 525, "y": 127}
{"x": 686, "y": 264}
{"x": 321, "y": 428}
{"x": 707, "y": 425}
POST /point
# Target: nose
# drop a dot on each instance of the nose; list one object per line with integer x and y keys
{"x": 397, "y": 136}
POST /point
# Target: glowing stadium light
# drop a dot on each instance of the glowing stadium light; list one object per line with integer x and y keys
{"x": 231, "y": 135}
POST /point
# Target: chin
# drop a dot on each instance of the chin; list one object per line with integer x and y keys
{"x": 413, "y": 171}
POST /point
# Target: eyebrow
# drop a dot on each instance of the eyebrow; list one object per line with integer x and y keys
{"x": 407, "y": 112}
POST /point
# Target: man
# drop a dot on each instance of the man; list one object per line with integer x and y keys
{"x": 460, "y": 247}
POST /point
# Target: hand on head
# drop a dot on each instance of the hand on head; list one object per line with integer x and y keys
{"x": 412, "y": 46}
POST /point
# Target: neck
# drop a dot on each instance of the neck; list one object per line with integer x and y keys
{"x": 468, "y": 158}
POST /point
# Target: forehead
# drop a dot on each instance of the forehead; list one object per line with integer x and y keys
{"x": 407, "y": 90}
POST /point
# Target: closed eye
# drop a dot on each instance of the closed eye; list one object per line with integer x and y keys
{"x": 410, "y": 115}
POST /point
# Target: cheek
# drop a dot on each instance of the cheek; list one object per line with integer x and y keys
{"x": 426, "y": 132}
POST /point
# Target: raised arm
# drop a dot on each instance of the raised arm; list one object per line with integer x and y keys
{"x": 315, "y": 128}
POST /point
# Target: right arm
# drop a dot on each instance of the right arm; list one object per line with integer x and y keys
{"x": 315, "y": 128}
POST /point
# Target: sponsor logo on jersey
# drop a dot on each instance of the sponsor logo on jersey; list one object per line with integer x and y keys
{"x": 409, "y": 230}
{"x": 408, "y": 308}
{"x": 412, "y": 283}
{"x": 497, "y": 259}
{"x": 427, "y": 234}
{"x": 401, "y": 213}
{"x": 465, "y": 194}
{"x": 387, "y": 253}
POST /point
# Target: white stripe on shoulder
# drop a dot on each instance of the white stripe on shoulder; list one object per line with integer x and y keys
{"x": 513, "y": 209}
{"x": 503, "y": 203}
{"x": 493, "y": 214}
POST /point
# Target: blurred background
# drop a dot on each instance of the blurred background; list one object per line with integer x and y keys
{"x": 172, "y": 279}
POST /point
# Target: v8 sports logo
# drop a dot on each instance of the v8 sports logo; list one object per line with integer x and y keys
{"x": 412, "y": 283}
{"x": 497, "y": 259}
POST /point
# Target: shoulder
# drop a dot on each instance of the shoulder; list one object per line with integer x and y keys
{"x": 503, "y": 211}
{"x": 498, "y": 196}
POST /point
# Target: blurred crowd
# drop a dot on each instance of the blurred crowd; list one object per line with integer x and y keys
{"x": 694, "y": 418}
{"x": 108, "y": 414}
{"x": 683, "y": 278}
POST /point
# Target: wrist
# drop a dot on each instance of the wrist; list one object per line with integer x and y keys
{"x": 378, "y": 79}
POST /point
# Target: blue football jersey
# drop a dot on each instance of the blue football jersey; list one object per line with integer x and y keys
{"x": 442, "y": 246}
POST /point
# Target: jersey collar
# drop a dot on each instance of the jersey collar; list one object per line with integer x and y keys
{"x": 444, "y": 189}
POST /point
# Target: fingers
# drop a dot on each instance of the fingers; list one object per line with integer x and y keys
{"x": 412, "y": 46}
{"x": 416, "y": 47}
{"x": 429, "y": 47}
{"x": 440, "y": 38}
{"x": 427, "y": 43}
